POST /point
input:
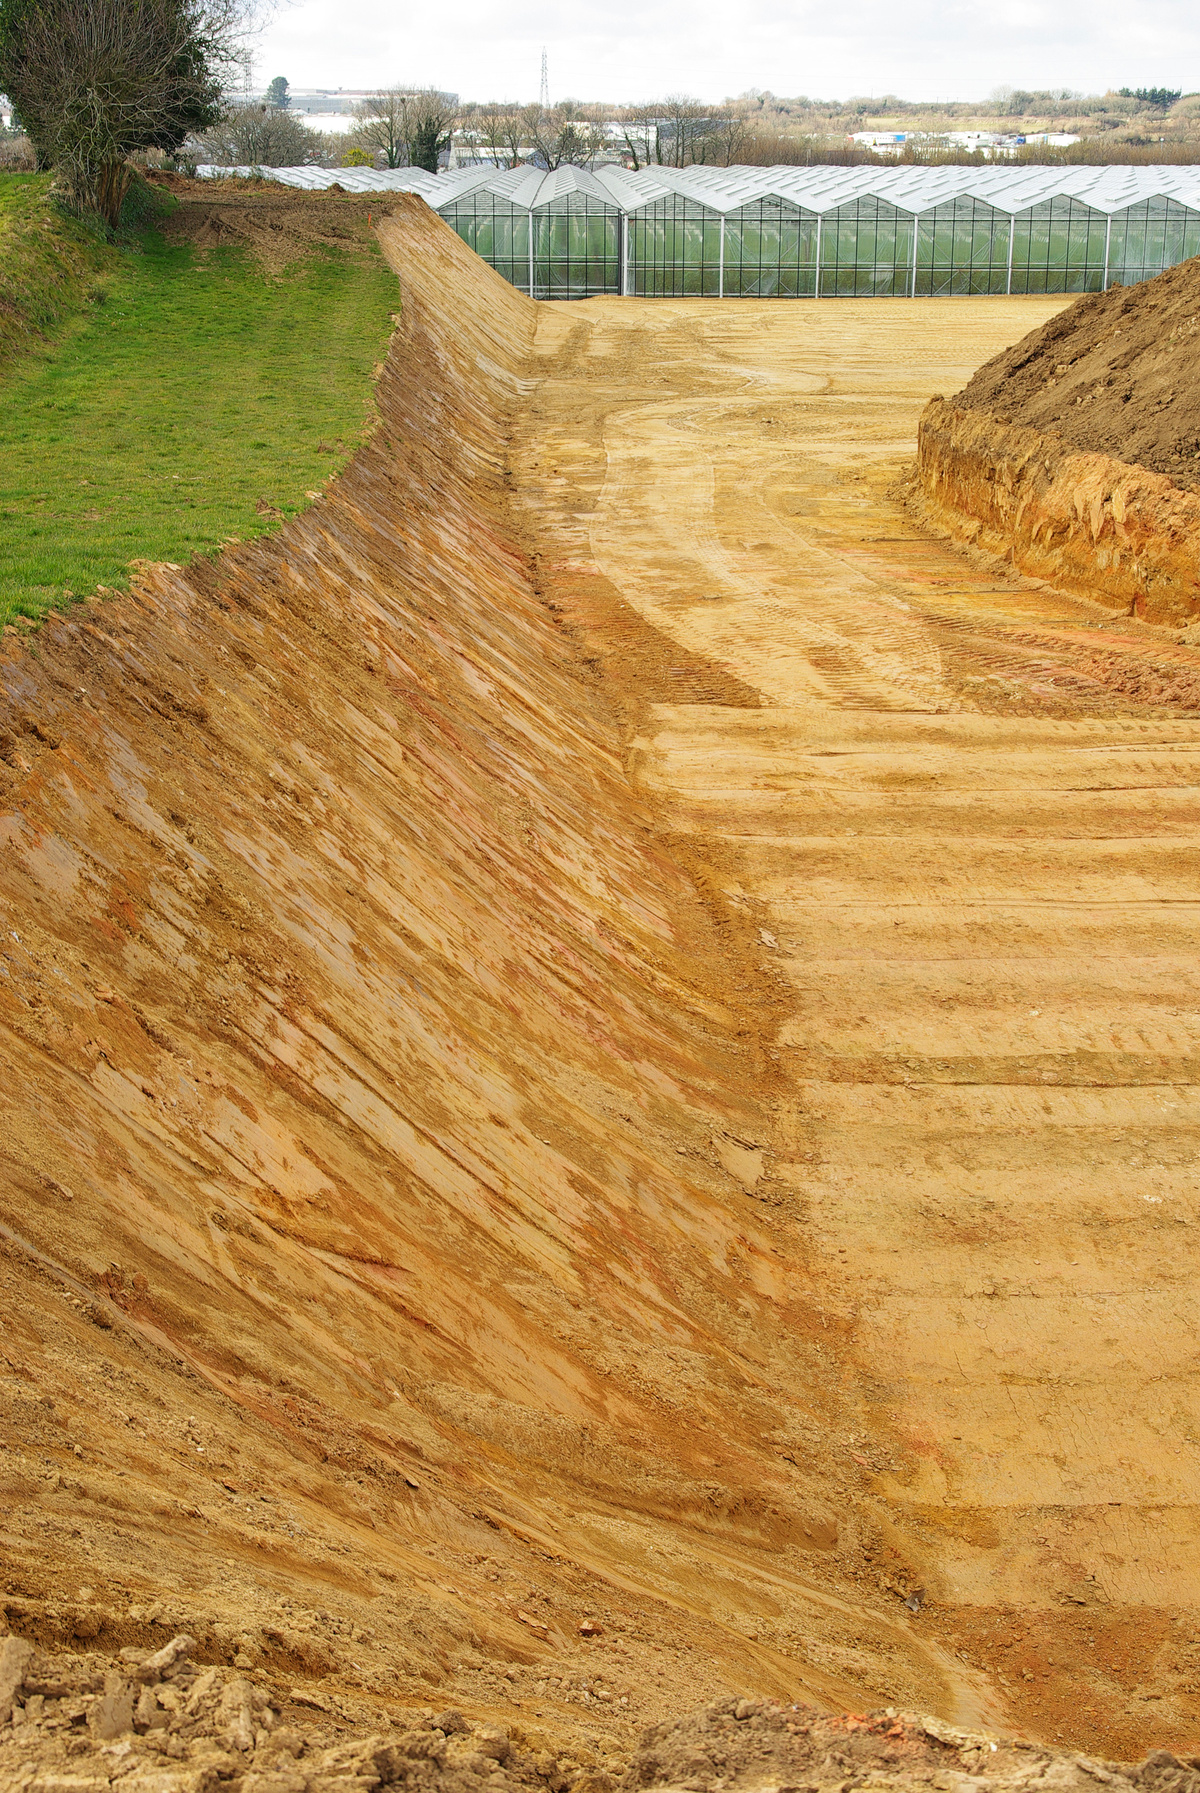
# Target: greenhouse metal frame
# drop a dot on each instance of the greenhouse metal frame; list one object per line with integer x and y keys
{"x": 823, "y": 232}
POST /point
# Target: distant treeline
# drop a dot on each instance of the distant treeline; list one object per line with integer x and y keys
{"x": 775, "y": 149}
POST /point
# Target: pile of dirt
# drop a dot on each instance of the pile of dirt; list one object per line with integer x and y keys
{"x": 164, "y": 1723}
{"x": 756, "y": 1743}
{"x": 1117, "y": 374}
{"x": 279, "y": 225}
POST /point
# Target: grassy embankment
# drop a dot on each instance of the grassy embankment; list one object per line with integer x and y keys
{"x": 153, "y": 398}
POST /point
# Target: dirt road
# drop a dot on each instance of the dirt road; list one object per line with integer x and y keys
{"x": 972, "y": 866}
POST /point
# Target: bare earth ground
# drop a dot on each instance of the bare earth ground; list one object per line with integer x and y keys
{"x": 972, "y": 860}
{"x": 278, "y": 225}
{"x": 1116, "y": 374}
{"x": 596, "y": 1048}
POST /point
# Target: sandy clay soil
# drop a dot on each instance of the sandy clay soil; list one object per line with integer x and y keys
{"x": 597, "y": 1051}
{"x": 1115, "y": 374}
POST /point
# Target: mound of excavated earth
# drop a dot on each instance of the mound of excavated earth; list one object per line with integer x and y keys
{"x": 598, "y": 1058}
{"x": 1116, "y": 373}
{"x": 279, "y": 226}
{"x": 162, "y": 1724}
{"x": 1075, "y": 454}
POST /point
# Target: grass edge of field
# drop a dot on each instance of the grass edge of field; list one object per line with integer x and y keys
{"x": 53, "y": 269}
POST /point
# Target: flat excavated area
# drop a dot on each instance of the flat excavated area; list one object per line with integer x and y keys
{"x": 596, "y": 1061}
{"x": 970, "y": 865}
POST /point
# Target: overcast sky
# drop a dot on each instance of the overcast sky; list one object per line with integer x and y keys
{"x": 634, "y": 49}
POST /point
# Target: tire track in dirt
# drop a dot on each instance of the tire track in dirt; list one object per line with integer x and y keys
{"x": 971, "y": 861}
{"x": 364, "y": 1043}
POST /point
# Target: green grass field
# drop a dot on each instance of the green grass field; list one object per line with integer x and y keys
{"x": 184, "y": 391}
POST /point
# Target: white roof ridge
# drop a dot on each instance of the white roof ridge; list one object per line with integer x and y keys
{"x": 818, "y": 187}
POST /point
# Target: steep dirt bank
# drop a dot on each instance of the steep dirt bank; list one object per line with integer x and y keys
{"x": 1075, "y": 454}
{"x": 1113, "y": 373}
{"x": 385, "y": 1293}
{"x": 1110, "y": 531}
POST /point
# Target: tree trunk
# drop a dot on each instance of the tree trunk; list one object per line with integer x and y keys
{"x": 109, "y": 187}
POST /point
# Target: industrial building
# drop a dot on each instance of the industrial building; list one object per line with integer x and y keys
{"x": 803, "y": 233}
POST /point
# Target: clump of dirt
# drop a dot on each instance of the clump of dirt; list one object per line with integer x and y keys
{"x": 796, "y": 1749}
{"x": 279, "y": 225}
{"x": 1118, "y": 373}
{"x": 162, "y": 1723}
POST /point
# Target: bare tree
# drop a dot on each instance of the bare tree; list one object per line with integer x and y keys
{"x": 513, "y": 138}
{"x": 259, "y": 136}
{"x": 383, "y": 125}
{"x": 680, "y": 130}
{"x": 96, "y": 80}
{"x": 641, "y": 133}
{"x": 564, "y": 135}
{"x": 730, "y": 138}
{"x": 497, "y": 130}
{"x": 410, "y": 126}
{"x": 684, "y": 121}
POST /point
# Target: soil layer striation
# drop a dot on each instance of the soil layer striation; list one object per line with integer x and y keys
{"x": 598, "y": 1079}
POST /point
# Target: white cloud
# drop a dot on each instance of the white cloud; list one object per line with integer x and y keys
{"x": 626, "y": 49}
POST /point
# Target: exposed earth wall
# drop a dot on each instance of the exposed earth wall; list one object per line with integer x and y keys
{"x": 598, "y": 1051}
{"x": 379, "y": 1102}
{"x": 1091, "y": 524}
{"x": 1074, "y": 453}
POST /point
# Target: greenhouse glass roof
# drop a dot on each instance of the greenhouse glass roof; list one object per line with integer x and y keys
{"x": 816, "y": 189}
{"x": 817, "y": 232}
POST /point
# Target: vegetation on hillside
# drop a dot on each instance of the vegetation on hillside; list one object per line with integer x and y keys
{"x": 177, "y": 398}
{"x": 96, "y": 81}
{"x": 49, "y": 263}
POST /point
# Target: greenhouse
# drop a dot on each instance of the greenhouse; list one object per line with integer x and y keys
{"x": 805, "y": 233}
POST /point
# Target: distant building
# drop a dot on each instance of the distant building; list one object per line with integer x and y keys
{"x": 992, "y": 145}
{"x": 884, "y": 143}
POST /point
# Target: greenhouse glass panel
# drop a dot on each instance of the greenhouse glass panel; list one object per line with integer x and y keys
{"x": 962, "y": 248}
{"x": 569, "y": 233}
{"x": 770, "y": 251}
{"x": 675, "y": 249}
{"x": 494, "y": 229}
{"x": 1058, "y": 247}
{"x": 1150, "y": 237}
{"x": 576, "y": 248}
{"x": 866, "y": 250}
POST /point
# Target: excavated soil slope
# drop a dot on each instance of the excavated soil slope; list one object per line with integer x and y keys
{"x": 1116, "y": 373}
{"x": 380, "y": 1293}
{"x": 598, "y": 1064}
{"x": 963, "y": 824}
{"x": 1075, "y": 455}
